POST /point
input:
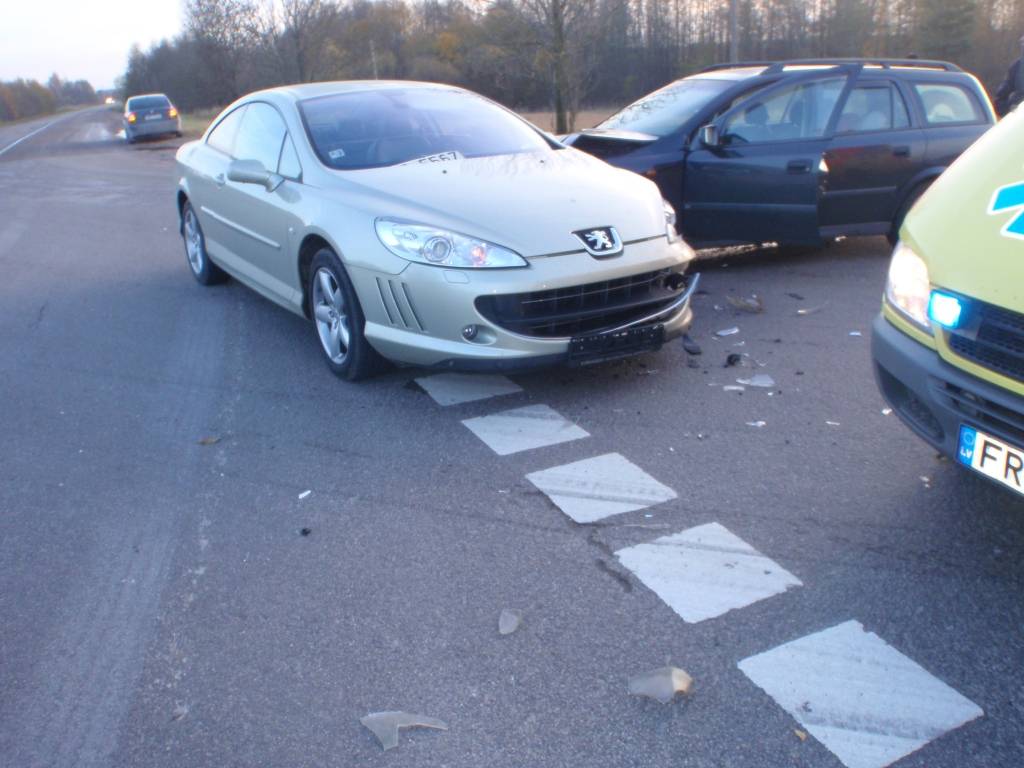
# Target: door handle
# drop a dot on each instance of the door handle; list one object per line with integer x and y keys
{"x": 220, "y": 180}
{"x": 798, "y": 166}
{"x": 901, "y": 151}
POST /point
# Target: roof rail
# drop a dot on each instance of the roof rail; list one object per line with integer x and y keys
{"x": 775, "y": 67}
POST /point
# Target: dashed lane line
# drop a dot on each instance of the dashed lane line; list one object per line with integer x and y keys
{"x": 593, "y": 489}
{"x": 455, "y": 388}
{"x": 706, "y": 571}
{"x": 861, "y": 698}
{"x": 523, "y": 429}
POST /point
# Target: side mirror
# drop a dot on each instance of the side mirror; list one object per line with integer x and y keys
{"x": 253, "y": 172}
{"x": 710, "y": 137}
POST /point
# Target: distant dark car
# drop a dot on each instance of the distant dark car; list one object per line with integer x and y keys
{"x": 796, "y": 152}
{"x": 150, "y": 115}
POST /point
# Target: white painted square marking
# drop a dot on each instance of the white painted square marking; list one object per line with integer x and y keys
{"x": 865, "y": 701}
{"x": 455, "y": 388}
{"x": 521, "y": 429}
{"x": 595, "y": 488}
{"x": 706, "y": 571}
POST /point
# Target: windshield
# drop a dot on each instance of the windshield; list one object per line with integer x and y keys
{"x": 664, "y": 111}
{"x": 370, "y": 129}
{"x": 148, "y": 102}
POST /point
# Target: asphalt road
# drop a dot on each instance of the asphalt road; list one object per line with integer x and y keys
{"x": 161, "y": 606}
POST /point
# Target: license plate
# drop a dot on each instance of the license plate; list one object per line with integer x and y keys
{"x": 992, "y": 457}
{"x": 152, "y": 117}
{"x": 599, "y": 347}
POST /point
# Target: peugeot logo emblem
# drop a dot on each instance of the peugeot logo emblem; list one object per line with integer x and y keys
{"x": 600, "y": 242}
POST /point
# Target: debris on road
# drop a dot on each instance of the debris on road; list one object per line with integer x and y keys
{"x": 757, "y": 424}
{"x": 733, "y": 388}
{"x": 209, "y": 440}
{"x": 886, "y": 411}
{"x": 927, "y": 481}
{"x": 305, "y": 531}
{"x": 802, "y": 735}
{"x": 758, "y": 380}
{"x": 809, "y": 310}
{"x": 733, "y": 359}
{"x": 509, "y": 621}
{"x": 385, "y": 725}
{"x": 304, "y": 495}
{"x": 856, "y": 333}
{"x": 691, "y": 363}
{"x": 796, "y": 296}
{"x": 180, "y": 711}
{"x": 661, "y": 684}
{"x": 690, "y": 346}
{"x": 727, "y": 331}
{"x": 832, "y": 423}
{"x": 754, "y": 305}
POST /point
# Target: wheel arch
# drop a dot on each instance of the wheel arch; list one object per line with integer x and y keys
{"x": 311, "y": 243}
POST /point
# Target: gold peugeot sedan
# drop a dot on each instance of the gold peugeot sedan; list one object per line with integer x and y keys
{"x": 425, "y": 225}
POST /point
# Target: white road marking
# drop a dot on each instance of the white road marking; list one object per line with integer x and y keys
{"x": 40, "y": 129}
{"x": 522, "y": 429}
{"x": 706, "y": 571}
{"x": 455, "y": 388}
{"x": 593, "y": 489}
{"x": 860, "y": 697}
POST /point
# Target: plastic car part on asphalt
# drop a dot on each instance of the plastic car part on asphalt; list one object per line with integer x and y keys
{"x": 509, "y": 621}
{"x": 385, "y": 725}
{"x": 661, "y": 684}
{"x": 758, "y": 380}
{"x": 753, "y": 305}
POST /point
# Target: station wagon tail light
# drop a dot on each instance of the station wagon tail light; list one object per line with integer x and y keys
{"x": 907, "y": 289}
{"x": 131, "y": 117}
{"x": 443, "y": 248}
{"x": 172, "y": 112}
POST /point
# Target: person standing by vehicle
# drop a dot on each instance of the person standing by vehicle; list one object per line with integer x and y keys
{"x": 1011, "y": 91}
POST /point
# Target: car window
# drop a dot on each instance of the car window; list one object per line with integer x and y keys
{"x": 874, "y": 107}
{"x": 223, "y": 136}
{"x": 289, "y": 166}
{"x": 147, "y": 102}
{"x": 388, "y": 126}
{"x": 260, "y": 135}
{"x": 947, "y": 103}
{"x": 799, "y": 111}
{"x": 664, "y": 111}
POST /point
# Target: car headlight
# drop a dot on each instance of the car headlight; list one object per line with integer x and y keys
{"x": 907, "y": 288}
{"x": 443, "y": 248}
{"x": 670, "y": 221}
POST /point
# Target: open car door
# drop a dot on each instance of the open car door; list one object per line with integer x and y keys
{"x": 753, "y": 175}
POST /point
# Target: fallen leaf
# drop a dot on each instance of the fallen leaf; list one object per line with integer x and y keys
{"x": 209, "y": 440}
{"x": 802, "y": 735}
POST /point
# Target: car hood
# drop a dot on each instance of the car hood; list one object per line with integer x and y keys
{"x": 530, "y": 202}
{"x": 960, "y": 225}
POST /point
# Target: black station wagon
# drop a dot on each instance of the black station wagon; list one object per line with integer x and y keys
{"x": 796, "y": 152}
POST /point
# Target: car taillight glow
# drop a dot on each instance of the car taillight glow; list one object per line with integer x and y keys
{"x": 131, "y": 117}
{"x": 172, "y": 112}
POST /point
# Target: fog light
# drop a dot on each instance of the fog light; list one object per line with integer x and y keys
{"x": 469, "y": 332}
{"x": 945, "y": 310}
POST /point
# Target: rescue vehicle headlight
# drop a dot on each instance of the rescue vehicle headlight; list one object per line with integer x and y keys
{"x": 907, "y": 289}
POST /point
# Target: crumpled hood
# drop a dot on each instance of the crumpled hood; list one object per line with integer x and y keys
{"x": 530, "y": 202}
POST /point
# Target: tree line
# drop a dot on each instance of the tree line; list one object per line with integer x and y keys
{"x": 549, "y": 54}
{"x": 30, "y": 98}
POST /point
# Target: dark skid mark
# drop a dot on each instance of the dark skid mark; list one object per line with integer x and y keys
{"x": 622, "y": 580}
{"x": 412, "y": 386}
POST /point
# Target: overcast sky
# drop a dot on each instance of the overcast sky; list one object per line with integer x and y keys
{"x": 79, "y": 39}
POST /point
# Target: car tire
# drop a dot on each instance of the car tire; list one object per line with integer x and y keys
{"x": 338, "y": 320}
{"x": 894, "y": 233}
{"x": 203, "y": 270}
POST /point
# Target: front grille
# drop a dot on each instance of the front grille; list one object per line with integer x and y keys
{"x": 585, "y": 308}
{"x": 984, "y": 413}
{"x": 998, "y": 343}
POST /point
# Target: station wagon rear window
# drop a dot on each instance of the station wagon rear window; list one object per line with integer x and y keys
{"x": 371, "y": 129}
{"x": 947, "y": 103}
{"x": 147, "y": 102}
